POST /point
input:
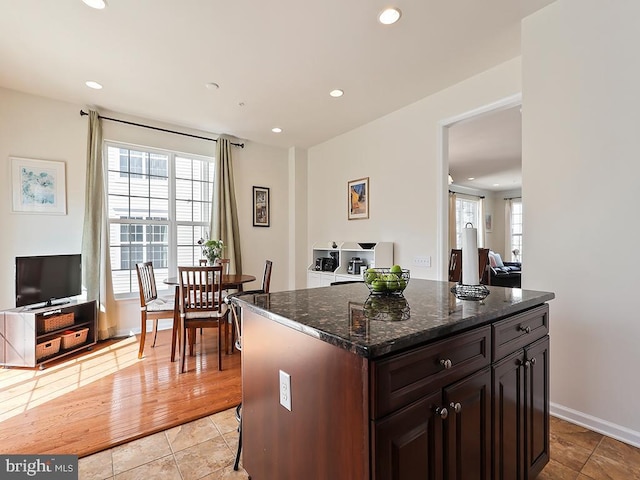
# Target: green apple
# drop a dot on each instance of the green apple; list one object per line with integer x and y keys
{"x": 379, "y": 285}
{"x": 396, "y": 269}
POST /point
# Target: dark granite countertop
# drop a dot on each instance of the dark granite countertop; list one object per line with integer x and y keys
{"x": 346, "y": 316}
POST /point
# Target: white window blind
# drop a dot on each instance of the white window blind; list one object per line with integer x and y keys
{"x": 159, "y": 207}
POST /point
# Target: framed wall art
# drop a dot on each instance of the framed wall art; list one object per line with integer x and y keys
{"x": 38, "y": 186}
{"x": 358, "y": 199}
{"x": 261, "y": 207}
{"x": 488, "y": 222}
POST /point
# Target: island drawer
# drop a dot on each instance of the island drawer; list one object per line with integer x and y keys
{"x": 520, "y": 330}
{"x": 404, "y": 378}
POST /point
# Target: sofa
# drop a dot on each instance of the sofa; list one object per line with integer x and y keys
{"x": 504, "y": 274}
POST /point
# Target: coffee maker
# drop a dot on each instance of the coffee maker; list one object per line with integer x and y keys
{"x": 355, "y": 265}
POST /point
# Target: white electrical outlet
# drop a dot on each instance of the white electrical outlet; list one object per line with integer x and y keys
{"x": 285, "y": 390}
{"x": 422, "y": 261}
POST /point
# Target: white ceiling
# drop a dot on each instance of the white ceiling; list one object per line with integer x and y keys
{"x": 280, "y": 59}
{"x": 488, "y": 149}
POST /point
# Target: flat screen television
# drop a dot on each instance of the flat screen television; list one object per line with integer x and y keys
{"x": 47, "y": 278}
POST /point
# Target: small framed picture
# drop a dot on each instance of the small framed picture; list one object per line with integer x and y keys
{"x": 38, "y": 186}
{"x": 488, "y": 222}
{"x": 261, "y": 212}
{"x": 358, "y": 199}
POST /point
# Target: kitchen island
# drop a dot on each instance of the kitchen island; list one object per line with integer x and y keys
{"x": 424, "y": 386}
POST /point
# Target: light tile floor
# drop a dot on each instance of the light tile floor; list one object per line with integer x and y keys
{"x": 205, "y": 449}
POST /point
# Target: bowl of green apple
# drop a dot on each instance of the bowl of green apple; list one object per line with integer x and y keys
{"x": 386, "y": 281}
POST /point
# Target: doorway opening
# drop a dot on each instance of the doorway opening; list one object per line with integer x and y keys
{"x": 444, "y": 131}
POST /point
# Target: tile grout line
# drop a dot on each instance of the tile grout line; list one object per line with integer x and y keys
{"x": 173, "y": 454}
{"x": 589, "y": 458}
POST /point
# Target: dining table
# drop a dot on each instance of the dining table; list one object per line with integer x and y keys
{"x": 230, "y": 281}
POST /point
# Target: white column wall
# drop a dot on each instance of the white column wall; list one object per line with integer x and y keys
{"x": 581, "y": 112}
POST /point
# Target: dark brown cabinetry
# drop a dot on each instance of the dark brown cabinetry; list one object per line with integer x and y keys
{"x": 493, "y": 419}
{"x": 472, "y": 405}
{"x": 445, "y": 433}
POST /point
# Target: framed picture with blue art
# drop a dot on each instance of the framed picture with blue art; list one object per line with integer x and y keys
{"x": 358, "y": 199}
{"x": 38, "y": 186}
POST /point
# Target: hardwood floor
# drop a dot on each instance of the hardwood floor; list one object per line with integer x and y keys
{"x": 108, "y": 396}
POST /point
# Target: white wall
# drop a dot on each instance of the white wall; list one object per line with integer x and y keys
{"x": 398, "y": 153}
{"x": 35, "y": 127}
{"x": 38, "y": 128}
{"x": 581, "y": 113}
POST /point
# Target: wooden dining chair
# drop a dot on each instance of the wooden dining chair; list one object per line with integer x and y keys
{"x": 200, "y": 306}
{"x": 151, "y": 307}
{"x": 455, "y": 264}
{"x": 224, "y": 263}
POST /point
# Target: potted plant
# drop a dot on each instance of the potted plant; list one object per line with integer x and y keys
{"x": 211, "y": 249}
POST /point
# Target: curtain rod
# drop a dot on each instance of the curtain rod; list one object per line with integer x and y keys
{"x": 82, "y": 114}
{"x": 467, "y": 194}
{"x": 511, "y": 198}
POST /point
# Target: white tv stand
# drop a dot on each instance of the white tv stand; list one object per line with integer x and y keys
{"x": 21, "y": 330}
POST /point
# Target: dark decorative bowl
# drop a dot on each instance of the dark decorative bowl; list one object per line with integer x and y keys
{"x": 382, "y": 281}
{"x": 367, "y": 246}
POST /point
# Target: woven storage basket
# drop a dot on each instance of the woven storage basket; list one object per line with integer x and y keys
{"x": 56, "y": 322}
{"x": 48, "y": 348}
{"x": 73, "y": 338}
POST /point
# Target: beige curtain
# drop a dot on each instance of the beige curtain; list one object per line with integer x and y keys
{"x": 224, "y": 213}
{"x": 453, "y": 238}
{"x": 507, "y": 228}
{"x": 96, "y": 263}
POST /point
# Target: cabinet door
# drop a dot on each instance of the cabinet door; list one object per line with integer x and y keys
{"x": 467, "y": 431}
{"x": 508, "y": 418}
{"x": 537, "y": 406}
{"x": 407, "y": 444}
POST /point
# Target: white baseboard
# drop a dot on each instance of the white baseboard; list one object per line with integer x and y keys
{"x": 162, "y": 325}
{"x": 609, "y": 429}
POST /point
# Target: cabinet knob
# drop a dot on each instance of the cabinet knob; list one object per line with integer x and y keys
{"x": 442, "y": 412}
{"x": 446, "y": 363}
{"x": 526, "y": 329}
{"x": 533, "y": 361}
{"x": 456, "y": 407}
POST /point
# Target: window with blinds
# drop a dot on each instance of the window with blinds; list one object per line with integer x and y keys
{"x": 159, "y": 206}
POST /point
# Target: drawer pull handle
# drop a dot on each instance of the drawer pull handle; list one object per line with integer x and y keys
{"x": 526, "y": 329}
{"x": 442, "y": 412}
{"x": 456, "y": 406}
{"x": 446, "y": 363}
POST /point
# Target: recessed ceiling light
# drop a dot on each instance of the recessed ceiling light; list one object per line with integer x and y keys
{"x": 496, "y": 184}
{"x": 276, "y": 130}
{"x": 98, "y": 4}
{"x": 336, "y": 93}
{"x": 471, "y": 178}
{"x": 212, "y": 85}
{"x": 389, "y": 16}
{"x": 94, "y": 85}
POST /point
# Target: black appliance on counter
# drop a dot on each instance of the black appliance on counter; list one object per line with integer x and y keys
{"x": 355, "y": 265}
{"x": 325, "y": 264}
